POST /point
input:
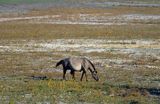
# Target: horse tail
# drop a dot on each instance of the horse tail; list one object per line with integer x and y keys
{"x": 59, "y": 63}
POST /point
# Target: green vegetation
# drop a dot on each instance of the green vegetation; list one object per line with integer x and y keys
{"x": 116, "y": 86}
{"x": 55, "y": 91}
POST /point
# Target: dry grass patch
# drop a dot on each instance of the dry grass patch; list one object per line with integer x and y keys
{"x": 112, "y": 11}
{"x": 15, "y": 30}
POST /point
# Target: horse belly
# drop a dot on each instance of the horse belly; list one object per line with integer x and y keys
{"x": 76, "y": 64}
{"x": 77, "y": 67}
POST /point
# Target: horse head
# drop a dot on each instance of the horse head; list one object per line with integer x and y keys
{"x": 95, "y": 76}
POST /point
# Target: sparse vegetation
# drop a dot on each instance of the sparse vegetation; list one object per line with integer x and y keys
{"x": 125, "y": 78}
{"x": 49, "y": 31}
{"x": 56, "y": 91}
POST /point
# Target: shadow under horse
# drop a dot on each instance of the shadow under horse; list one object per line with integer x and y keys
{"x": 78, "y": 64}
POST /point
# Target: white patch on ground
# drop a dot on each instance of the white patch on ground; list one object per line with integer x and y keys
{"x": 88, "y": 19}
{"x": 28, "y": 18}
{"x": 82, "y": 45}
{"x": 135, "y": 49}
{"x": 123, "y": 3}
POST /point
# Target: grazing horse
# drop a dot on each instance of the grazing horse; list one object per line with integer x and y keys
{"x": 78, "y": 64}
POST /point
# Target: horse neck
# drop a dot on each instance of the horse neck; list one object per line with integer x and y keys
{"x": 91, "y": 70}
{"x": 91, "y": 67}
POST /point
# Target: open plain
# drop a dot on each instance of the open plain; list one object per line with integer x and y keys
{"x": 121, "y": 38}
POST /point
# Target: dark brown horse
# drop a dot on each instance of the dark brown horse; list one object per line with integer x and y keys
{"x": 78, "y": 64}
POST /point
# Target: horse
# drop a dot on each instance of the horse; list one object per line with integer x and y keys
{"x": 78, "y": 64}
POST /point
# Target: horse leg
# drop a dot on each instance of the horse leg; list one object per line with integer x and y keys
{"x": 73, "y": 75}
{"x": 82, "y": 75}
{"x": 64, "y": 72}
{"x": 86, "y": 76}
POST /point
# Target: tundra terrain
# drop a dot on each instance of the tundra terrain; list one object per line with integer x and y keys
{"x": 120, "y": 37}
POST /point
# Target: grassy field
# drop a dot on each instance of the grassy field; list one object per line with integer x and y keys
{"x": 21, "y": 72}
{"x": 47, "y": 31}
{"x": 54, "y": 91}
{"x": 126, "y": 56}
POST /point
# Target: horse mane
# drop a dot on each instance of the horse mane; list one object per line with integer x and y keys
{"x": 91, "y": 64}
